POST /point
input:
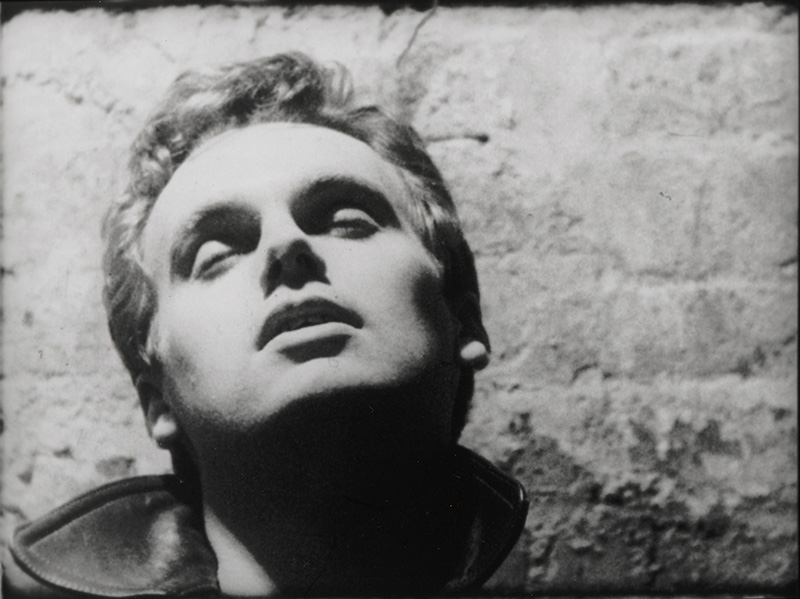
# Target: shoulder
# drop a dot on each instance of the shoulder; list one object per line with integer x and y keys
{"x": 144, "y": 536}
{"x": 140, "y": 536}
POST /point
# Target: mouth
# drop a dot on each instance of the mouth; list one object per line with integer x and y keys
{"x": 308, "y": 313}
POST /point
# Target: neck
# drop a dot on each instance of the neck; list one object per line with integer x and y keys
{"x": 323, "y": 503}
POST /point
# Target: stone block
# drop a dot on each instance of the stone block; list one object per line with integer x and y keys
{"x": 742, "y": 330}
{"x": 692, "y": 84}
{"x": 748, "y": 224}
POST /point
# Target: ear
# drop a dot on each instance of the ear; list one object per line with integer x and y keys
{"x": 159, "y": 419}
{"x": 473, "y": 342}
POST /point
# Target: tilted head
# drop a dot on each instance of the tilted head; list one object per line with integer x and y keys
{"x": 240, "y": 106}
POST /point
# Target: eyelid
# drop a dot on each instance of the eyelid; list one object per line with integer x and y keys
{"x": 232, "y": 223}
{"x": 218, "y": 251}
{"x": 351, "y": 211}
{"x": 338, "y": 193}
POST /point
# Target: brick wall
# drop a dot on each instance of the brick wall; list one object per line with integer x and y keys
{"x": 628, "y": 179}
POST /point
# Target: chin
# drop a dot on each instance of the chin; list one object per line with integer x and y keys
{"x": 410, "y": 385}
{"x": 346, "y": 411}
{"x": 335, "y": 375}
{"x": 357, "y": 371}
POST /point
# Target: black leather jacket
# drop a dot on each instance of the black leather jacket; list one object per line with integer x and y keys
{"x": 144, "y": 537}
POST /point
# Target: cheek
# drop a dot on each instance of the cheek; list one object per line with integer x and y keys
{"x": 412, "y": 294}
{"x": 201, "y": 333}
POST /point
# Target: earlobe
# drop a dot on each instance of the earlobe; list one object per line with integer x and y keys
{"x": 473, "y": 342}
{"x": 160, "y": 421}
{"x": 474, "y": 354}
{"x": 163, "y": 429}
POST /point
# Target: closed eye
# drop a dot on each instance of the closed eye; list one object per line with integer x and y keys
{"x": 210, "y": 241}
{"x": 344, "y": 207}
{"x": 352, "y": 223}
{"x": 212, "y": 259}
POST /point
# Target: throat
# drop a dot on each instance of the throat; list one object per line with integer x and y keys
{"x": 341, "y": 494}
{"x": 397, "y": 537}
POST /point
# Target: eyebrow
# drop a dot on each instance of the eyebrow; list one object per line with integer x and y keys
{"x": 363, "y": 194}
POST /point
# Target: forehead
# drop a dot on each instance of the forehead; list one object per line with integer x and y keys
{"x": 279, "y": 156}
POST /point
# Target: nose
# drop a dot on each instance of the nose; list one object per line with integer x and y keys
{"x": 292, "y": 262}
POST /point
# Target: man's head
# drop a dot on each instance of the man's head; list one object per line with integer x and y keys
{"x": 261, "y": 202}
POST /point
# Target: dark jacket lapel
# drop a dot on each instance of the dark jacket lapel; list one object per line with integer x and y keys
{"x": 144, "y": 537}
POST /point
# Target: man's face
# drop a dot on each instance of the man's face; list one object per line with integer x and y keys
{"x": 287, "y": 267}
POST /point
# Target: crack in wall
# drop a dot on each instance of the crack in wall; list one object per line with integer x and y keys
{"x": 72, "y": 94}
{"x": 481, "y": 138}
{"x": 416, "y": 31}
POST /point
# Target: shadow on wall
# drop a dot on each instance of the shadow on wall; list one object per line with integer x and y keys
{"x": 640, "y": 533}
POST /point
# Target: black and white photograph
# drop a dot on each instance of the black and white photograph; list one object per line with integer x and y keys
{"x": 415, "y": 299}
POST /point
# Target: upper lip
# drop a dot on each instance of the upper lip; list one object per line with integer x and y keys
{"x": 295, "y": 315}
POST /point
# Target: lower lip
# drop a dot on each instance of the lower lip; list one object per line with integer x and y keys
{"x": 310, "y": 334}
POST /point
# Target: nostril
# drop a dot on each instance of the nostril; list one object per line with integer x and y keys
{"x": 293, "y": 264}
{"x": 274, "y": 272}
{"x": 303, "y": 260}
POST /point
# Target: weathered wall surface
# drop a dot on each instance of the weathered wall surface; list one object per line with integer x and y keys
{"x": 628, "y": 179}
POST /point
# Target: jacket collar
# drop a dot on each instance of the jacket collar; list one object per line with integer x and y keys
{"x": 144, "y": 536}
